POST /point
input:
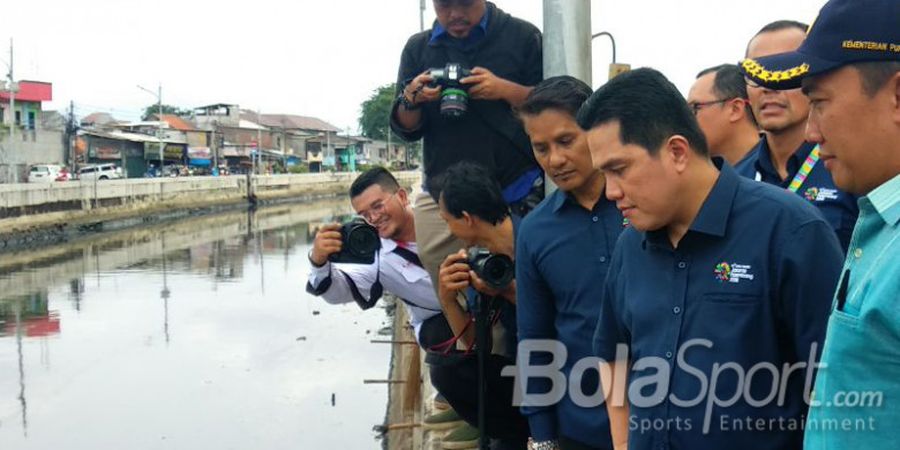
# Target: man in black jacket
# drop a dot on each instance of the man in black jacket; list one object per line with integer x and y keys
{"x": 504, "y": 55}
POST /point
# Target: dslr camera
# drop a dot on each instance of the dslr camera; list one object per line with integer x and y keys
{"x": 454, "y": 95}
{"x": 496, "y": 270}
{"x": 359, "y": 243}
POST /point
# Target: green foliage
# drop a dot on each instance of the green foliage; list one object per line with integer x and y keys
{"x": 299, "y": 168}
{"x": 152, "y": 110}
{"x": 374, "y": 118}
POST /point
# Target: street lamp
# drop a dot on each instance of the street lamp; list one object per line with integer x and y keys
{"x": 159, "y": 135}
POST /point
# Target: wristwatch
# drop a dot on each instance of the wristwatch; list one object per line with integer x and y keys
{"x": 543, "y": 445}
{"x": 407, "y": 105}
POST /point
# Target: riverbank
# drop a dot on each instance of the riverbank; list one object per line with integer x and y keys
{"x": 42, "y": 214}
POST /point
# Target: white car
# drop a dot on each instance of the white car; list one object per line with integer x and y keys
{"x": 100, "y": 172}
{"x": 47, "y": 173}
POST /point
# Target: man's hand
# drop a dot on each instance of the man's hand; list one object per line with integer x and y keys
{"x": 453, "y": 276}
{"x": 509, "y": 292}
{"x": 328, "y": 241}
{"x": 484, "y": 85}
{"x": 418, "y": 92}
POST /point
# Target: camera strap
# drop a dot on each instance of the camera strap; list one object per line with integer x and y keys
{"x": 377, "y": 289}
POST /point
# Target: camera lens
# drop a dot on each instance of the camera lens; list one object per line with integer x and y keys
{"x": 363, "y": 240}
{"x": 454, "y": 102}
{"x": 497, "y": 271}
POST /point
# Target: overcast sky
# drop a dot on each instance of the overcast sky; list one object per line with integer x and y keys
{"x": 320, "y": 58}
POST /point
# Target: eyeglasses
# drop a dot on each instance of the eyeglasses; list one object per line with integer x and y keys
{"x": 751, "y": 83}
{"x": 376, "y": 210}
{"x": 697, "y": 106}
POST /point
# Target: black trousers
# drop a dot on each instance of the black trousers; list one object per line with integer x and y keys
{"x": 456, "y": 377}
{"x": 434, "y": 331}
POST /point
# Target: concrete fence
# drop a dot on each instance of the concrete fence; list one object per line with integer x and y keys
{"x": 25, "y": 207}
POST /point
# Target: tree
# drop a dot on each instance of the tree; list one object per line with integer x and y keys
{"x": 374, "y": 119}
{"x": 153, "y": 109}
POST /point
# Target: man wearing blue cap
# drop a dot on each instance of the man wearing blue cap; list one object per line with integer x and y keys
{"x": 783, "y": 157}
{"x": 849, "y": 67}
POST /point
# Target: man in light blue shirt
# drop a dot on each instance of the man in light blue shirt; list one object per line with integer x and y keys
{"x": 849, "y": 67}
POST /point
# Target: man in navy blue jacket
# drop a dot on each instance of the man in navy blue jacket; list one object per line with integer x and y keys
{"x": 716, "y": 301}
{"x": 563, "y": 250}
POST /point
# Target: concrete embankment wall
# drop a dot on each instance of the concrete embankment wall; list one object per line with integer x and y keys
{"x": 28, "y": 210}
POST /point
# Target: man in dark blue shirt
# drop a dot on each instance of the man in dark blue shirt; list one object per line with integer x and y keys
{"x": 782, "y": 157}
{"x": 716, "y": 301}
{"x": 563, "y": 248}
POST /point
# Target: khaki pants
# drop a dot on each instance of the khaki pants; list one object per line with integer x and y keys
{"x": 433, "y": 238}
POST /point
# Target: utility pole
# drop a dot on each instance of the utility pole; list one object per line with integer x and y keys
{"x": 13, "y": 87}
{"x": 159, "y": 133}
{"x": 567, "y": 39}
{"x": 350, "y": 155}
{"x": 421, "y": 15}
{"x": 258, "y": 143}
{"x": 71, "y": 129}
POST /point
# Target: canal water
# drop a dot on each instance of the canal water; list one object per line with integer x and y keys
{"x": 195, "y": 334}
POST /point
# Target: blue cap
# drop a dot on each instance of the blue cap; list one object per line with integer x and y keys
{"x": 846, "y": 31}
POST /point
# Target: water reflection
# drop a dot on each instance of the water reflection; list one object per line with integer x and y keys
{"x": 192, "y": 334}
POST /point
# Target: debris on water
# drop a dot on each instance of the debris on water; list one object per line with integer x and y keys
{"x": 301, "y": 338}
{"x": 315, "y": 313}
{"x": 332, "y": 399}
{"x": 368, "y": 331}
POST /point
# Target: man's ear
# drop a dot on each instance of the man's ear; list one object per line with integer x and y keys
{"x": 403, "y": 196}
{"x": 468, "y": 218}
{"x": 736, "y": 109}
{"x": 678, "y": 150}
{"x": 894, "y": 86}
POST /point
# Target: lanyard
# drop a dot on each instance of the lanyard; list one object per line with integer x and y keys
{"x": 801, "y": 175}
{"x": 805, "y": 169}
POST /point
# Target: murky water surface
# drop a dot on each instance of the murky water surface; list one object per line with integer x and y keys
{"x": 196, "y": 334}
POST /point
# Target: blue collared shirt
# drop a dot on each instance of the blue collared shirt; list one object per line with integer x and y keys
{"x": 749, "y": 285}
{"x": 562, "y": 252}
{"x": 838, "y": 207}
{"x": 476, "y": 34}
{"x": 862, "y": 347}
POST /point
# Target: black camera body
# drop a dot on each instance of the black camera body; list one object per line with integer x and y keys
{"x": 454, "y": 95}
{"x": 496, "y": 270}
{"x": 359, "y": 243}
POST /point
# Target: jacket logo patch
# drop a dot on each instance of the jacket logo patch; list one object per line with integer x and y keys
{"x": 733, "y": 273}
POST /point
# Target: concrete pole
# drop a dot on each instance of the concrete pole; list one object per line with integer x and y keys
{"x": 256, "y": 159}
{"x": 160, "y": 118}
{"x": 567, "y": 43}
{"x": 422, "y": 15}
{"x": 567, "y": 38}
{"x": 12, "y": 115}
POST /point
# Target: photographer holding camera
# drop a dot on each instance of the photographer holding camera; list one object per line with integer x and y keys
{"x": 472, "y": 205}
{"x": 351, "y": 263}
{"x": 456, "y": 87}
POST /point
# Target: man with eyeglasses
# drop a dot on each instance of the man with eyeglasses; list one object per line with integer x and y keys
{"x": 378, "y": 198}
{"x": 718, "y": 99}
{"x": 783, "y": 157}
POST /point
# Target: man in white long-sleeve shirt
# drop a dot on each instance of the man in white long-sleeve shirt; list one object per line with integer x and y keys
{"x": 378, "y": 198}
